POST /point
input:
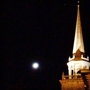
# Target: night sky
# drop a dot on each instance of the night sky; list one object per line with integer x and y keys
{"x": 42, "y": 31}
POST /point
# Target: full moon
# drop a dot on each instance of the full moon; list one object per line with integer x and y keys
{"x": 35, "y": 65}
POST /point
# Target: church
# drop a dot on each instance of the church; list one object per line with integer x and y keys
{"x": 78, "y": 77}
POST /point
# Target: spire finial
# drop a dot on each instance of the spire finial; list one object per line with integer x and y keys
{"x": 78, "y": 2}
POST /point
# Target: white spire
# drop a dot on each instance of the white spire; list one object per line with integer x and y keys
{"x": 78, "y": 61}
{"x": 78, "y": 39}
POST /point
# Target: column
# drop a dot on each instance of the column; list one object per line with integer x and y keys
{"x": 70, "y": 73}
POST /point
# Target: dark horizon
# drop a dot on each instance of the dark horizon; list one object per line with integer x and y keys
{"x": 43, "y": 32}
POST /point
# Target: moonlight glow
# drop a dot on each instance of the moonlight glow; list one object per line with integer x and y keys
{"x": 35, "y": 65}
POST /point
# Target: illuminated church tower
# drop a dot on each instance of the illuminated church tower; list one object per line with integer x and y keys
{"x": 78, "y": 62}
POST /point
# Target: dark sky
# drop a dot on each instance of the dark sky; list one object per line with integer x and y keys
{"x": 41, "y": 31}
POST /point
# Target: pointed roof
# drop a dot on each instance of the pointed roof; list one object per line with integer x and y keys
{"x": 78, "y": 39}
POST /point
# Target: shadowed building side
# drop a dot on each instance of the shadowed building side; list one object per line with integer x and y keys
{"x": 86, "y": 78}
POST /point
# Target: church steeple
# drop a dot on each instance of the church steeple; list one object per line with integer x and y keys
{"x": 78, "y": 47}
{"x": 78, "y": 61}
